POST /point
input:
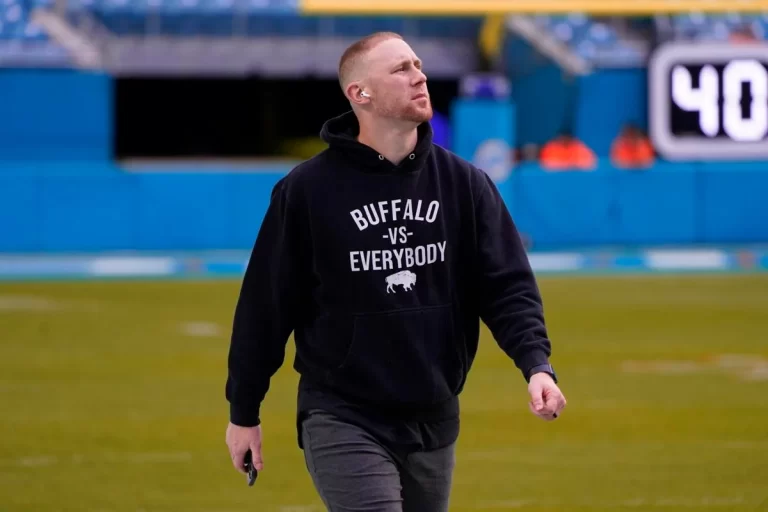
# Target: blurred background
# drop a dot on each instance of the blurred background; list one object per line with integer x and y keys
{"x": 139, "y": 143}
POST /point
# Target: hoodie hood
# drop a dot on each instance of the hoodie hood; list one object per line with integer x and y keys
{"x": 340, "y": 133}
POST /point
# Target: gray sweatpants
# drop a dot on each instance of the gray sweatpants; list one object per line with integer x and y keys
{"x": 352, "y": 471}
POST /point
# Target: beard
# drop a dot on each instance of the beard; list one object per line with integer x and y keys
{"x": 414, "y": 111}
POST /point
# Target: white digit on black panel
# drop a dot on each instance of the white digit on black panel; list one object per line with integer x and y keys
{"x": 738, "y": 128}
{"x": 703, "y": 99}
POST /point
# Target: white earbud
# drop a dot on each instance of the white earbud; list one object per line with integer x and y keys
{"x": 365, "y": 94}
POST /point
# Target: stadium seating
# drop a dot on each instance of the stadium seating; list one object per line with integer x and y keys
{"x": 697, "y": 26}
{"x": 22, "y": 41}
{"x": 254, "y": 18}
{"x": 597, "y": 41}
{"x": 592, "y": 38}
{"x": 15, "y": 24}
{"x": 187, "y": 22}
{"x": 254, "y": 24}
{"x": 600, "y": 41}
{"x": 605, "y": 43}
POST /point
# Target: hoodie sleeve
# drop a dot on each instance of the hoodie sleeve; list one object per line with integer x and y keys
{"x": 267, "y": 307}
{"x": 509, "y": 299}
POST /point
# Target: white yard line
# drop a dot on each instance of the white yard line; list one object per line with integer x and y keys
{"x": 79, "y": 458}
{"x": 38, "y": 303}
{"x": 744, "y": 366}
{"x": 201, "y": 329}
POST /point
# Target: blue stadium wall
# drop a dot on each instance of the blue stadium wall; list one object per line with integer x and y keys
{"x": 59, "y": 191}
{"x": 55, "y": 115}
{"x": 594, "y": 107}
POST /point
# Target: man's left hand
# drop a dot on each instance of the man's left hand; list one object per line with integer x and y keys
{"x": 547, "y": 401}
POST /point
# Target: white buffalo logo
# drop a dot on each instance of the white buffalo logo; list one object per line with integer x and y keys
{"x": 405, "y": 278}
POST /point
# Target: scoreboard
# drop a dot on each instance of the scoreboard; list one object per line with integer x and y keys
{"x": 709, "y": 101}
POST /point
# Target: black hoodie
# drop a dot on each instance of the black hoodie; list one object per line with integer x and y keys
{"x": 383, "y": 273}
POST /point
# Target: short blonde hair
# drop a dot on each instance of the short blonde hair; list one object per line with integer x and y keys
{"x": 352, "y": 54}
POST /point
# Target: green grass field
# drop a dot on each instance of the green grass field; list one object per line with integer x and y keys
{"x": 112, "y": 399}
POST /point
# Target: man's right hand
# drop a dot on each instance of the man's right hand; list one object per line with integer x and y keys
{"x": 240, "y": 440}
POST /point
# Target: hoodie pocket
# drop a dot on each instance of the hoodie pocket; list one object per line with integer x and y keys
{"x": 404, "y": 356}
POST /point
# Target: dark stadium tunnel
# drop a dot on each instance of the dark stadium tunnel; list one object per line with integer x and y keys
{"x": 228, "y": 117}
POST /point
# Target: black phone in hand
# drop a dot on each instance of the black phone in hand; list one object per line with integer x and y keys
{"x": 248, "y": 463}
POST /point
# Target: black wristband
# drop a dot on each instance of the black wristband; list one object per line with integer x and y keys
{"x": 545, "y": 368}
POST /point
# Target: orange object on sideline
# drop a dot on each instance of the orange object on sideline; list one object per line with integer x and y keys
{"x": 567, "y": 153}
{"x": 632, "y": 150}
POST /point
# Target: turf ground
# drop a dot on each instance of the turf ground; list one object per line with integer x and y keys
{"x": 111, "y": 399}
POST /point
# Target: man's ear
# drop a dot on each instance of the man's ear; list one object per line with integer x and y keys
{"x": 357, "y": 94}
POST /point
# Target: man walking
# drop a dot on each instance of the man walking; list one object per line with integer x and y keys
{"x": 382, "y": 254}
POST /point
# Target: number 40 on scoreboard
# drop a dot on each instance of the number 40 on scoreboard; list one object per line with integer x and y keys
{"x": 709, "y": 101}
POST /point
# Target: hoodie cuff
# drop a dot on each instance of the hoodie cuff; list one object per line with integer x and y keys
{"x": 244, "y": 415}
{"x": 530, "y": 359}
